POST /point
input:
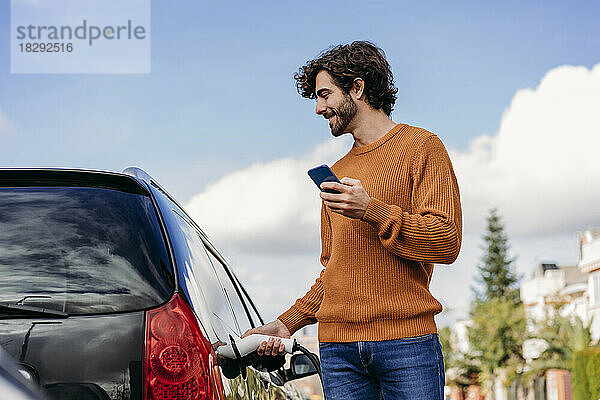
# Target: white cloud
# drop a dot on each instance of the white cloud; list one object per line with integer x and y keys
{"x": 269, "y": 207}
{"x": 540, "y": 170}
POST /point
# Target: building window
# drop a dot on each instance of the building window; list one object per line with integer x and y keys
{"x": 596, "y": 289}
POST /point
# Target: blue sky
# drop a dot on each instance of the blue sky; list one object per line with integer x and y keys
{"x": 221, "y": 93}
{"x": 219, "y": 110}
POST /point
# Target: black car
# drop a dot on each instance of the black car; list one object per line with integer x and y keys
{"x": 109, "y": 290}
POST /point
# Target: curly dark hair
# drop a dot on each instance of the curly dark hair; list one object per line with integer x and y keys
{"x": 347, "y": 62}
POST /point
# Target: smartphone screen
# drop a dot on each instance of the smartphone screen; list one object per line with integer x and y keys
{"x": 321, "y": 174}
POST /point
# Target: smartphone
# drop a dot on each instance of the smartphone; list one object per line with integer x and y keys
{"x": 321, "y": 174}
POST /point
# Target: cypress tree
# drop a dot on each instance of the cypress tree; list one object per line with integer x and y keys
{"x": 498, "y": 317}
{"x": 496, "y": 271}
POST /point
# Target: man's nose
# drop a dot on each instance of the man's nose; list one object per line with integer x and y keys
{"x": 320, "y": 107}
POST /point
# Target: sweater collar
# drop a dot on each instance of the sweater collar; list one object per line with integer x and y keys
{"x": 356, "y": 150}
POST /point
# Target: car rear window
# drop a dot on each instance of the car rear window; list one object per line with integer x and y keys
{"x": 81, "y": 250}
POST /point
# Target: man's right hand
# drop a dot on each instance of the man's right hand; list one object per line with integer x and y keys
{"x": 271, "y": 347}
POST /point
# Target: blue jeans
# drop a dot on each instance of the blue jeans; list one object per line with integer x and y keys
{"x": 399, "y": 369}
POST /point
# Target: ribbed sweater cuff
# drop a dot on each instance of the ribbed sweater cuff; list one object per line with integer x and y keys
{"x": 377, "y": 212}
{"x": 294, "y": 319}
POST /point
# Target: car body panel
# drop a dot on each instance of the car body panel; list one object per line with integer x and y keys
{"x": 96, "y": 356}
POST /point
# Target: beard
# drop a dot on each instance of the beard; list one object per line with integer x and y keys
{"x": 343, "y": 115}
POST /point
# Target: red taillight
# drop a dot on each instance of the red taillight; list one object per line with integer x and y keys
{"x": 178, "y": 359}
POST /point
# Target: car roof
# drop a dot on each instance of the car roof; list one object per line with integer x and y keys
{"x": 43, "y": 177}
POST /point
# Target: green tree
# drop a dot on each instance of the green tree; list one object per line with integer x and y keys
{"x": 461, "y": 369}
{"x": 496, "y": 337}
{"x": 586, "y": 383}
{"x": 496, "y": 273}
{"x": 447, "y": 348}
{"x": 564, "y": 336}
{"x": 498, "y": 327}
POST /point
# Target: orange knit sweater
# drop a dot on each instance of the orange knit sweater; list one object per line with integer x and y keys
{"x": 375, "y": 284}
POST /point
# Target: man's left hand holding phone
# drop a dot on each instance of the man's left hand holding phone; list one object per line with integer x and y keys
{"x": 346, "y": 196}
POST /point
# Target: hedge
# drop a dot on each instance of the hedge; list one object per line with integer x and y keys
{"x": 586, "y": 374}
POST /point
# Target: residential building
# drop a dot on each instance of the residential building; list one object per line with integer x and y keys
{"x": 551, "y": 285}
{"x": 589, "y": 265}
{"x": 460, "y": 335}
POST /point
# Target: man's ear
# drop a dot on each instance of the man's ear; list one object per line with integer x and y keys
{"x": 358, "y": 87}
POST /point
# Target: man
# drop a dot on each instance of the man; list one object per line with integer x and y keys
{"x": 396, "y": 214}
